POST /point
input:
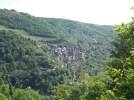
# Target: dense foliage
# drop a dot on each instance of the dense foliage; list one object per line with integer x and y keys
{"x": 30, "y": 68}
{"x": 19, "y": 94}
{"x": 33, "y": 25}
{"x": 122, "y": 66}
{"x": 61, "y": 32}
{"x": 116, "y": 82}
{"x": 19, "y": 57}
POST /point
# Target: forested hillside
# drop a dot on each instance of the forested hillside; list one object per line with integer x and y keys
{"x": 21, "y": 60}
{"x": 53, "y": 34}
{"x": 116, "y": 82}
{"x": 43, "y": 53}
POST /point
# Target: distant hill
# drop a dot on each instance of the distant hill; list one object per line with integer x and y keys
{"x": 59, "y": 50}
{"x": 51, "y": 27}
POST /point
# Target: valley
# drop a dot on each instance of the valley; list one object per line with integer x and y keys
{"x": 44, "y": 53}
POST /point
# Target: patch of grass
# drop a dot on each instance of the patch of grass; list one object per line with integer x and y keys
{"x": 26, "y": 35}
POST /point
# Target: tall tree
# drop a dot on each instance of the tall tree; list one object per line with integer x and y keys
{"x": 122, "y": 66}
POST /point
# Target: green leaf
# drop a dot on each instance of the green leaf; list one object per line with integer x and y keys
{"x": 132, "y": 8}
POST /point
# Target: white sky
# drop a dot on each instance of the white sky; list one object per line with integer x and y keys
{"x": 106, "y": 12}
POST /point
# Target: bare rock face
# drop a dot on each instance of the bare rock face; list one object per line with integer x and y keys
{"x": 70, "y": 53}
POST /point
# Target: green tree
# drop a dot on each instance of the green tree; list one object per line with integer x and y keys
{"x": 3, "y": 97}
{"x": 87, "y": 89}
{"x": 95, "y": 91}
{"x": 62, "y": 92}
{"x": 4, "y": 89}
{"x": 121, "y": 68}
{"x": 26, "y": 94}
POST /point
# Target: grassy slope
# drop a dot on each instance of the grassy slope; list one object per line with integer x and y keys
{"x": 26, "y": 35}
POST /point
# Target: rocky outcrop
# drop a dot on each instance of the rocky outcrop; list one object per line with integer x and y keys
{"x": 70, "y": 53}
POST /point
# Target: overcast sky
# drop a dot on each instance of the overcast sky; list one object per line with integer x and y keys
{"x": 106, "y": 12}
